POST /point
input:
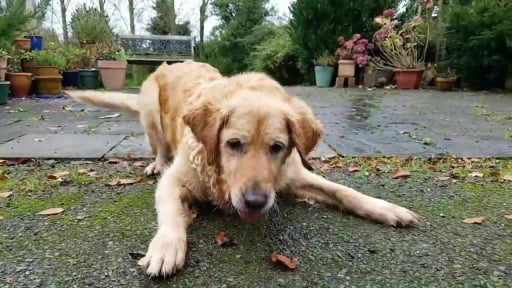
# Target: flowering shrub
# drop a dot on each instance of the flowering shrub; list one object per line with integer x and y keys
{"x": 402, "y": 47}
{"x": 356, "y": 48}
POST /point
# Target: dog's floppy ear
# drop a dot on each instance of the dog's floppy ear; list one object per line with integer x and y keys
{"x": 305, "y": 129}
{"x": 206, "y": 123}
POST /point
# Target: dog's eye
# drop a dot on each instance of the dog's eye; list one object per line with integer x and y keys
{"x": 235, "y": 144}
{"x": 276, "y": 148}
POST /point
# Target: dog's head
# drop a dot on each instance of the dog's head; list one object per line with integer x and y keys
{"x": 248, "y": 132}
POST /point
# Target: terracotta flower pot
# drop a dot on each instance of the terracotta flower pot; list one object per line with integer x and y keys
{"x": 22, "y": 44}
{"x": 49, "y": 85}
{"x": 28, "y": 66}
{"x": 346, "y": 68}
{"x": 3, "y": 68}
{"x": 20, "y": 84}
{"x": 112, "y": 74}
{"x": 47, "y": 71}
{"x": 445, "y": 84}
{"x": 91, "y": 48}
{"x": 408, "y": 78}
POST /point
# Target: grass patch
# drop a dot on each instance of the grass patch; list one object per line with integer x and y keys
{"x": 21, "y": 205}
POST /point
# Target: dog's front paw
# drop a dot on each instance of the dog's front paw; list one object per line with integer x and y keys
{"x": 155, "y": 168}
{"x": 391, "y": 214}
{"x": 166, "y": 254}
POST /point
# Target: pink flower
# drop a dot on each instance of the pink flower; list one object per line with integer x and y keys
{"x": 370, "y": 46}
{"x": 362, "y": 60}
{"x": 356, "y": 37}
{"x": 349, "y": 44}
{"x": 341, "y": 40}
{"x": 362, "y": 41}
{"x": 359, "y": 48}
{"x": 389, "y": 13}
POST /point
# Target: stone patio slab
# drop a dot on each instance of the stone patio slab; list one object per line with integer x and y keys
{"x": 60, "y": 146}
{"x": 136, "y": 147}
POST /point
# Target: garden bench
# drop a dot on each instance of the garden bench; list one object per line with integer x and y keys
{"x": 155, "y": 49}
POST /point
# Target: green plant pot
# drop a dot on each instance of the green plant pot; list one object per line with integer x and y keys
{"x": 4, "y": 92}
{"x": 89, "y": 79}
{"x": 323, "y": 76}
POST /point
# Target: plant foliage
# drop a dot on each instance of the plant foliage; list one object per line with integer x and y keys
{"x": 89, "y": 24}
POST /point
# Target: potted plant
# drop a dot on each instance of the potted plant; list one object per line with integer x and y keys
{"x": 351, "y": 52}
{"x": 21, "y": 82}
{"x": 22, "y": 44}
{"x": 88, "y": 76}
{"x": 90, "y": 27}
{"x": 4, "y": 91}
{"x": 4, "y": 57}
{"x": 49, "y": 62}
{"x": 445, "y": 81}
{"x": 324, "y": 69}
{"x": 112, "y": 65}
{"x": 403, "y": 49}
{"x": 73, "y": 57}
{"x": 36, "y": 42}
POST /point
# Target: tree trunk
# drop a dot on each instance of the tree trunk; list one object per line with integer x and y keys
{"x": 131, "y": 11}
{"x": 64, "y": 21}
{"x": 172, "y": 21}
{"x": 202, "y": 20}
{"x": 102, "y": 5}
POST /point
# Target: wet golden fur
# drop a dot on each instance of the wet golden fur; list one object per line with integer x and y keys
{"x": 236, "y": 141}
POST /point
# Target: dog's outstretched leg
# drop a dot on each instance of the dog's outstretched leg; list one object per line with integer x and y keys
{"x": 167, "y": 250}
{"x": 304, "y": 184}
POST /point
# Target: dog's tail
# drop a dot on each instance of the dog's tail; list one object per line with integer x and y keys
{"x": 118, "y": 101}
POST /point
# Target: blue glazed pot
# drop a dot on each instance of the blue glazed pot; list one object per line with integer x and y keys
{"x": 323, "y": 76}
{"x": 70, "y": 78}
{"x": 36, "y": 42}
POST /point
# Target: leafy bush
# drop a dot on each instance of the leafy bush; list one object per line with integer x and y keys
{"x": 15, "y": 19}
{"x": 90, "y": 25}
{"x": 316, "y": 25}
{"x": 479, "y": 42}
{"x": 276, "y": 58}
{"x": 49, "y": 57}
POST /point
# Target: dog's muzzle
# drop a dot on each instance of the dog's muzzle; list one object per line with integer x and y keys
{"x": 254, "y": 201}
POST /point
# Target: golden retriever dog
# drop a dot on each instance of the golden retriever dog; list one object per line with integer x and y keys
{"x": 238, "y": 142}
{"x": 153, "y": 102}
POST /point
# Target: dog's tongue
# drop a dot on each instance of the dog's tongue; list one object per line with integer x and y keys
{"x": 250, "y": 217}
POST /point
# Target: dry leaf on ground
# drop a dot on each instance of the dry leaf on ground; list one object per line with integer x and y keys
{"x": 140, "y": 164}
{"x": 4, "y": 162}
{"x": 81, "y": 126}
{"x": 476, "y": 174}
{"x": 399, "y": 173}
{"x": 113, "y": 160}
{"x": 444, "y": 178}
{"x": 119, "y": 181}
{"x": 58, "y": 175}
{"x": 39, "y": 139}
{"x": 51, "y": 211}
{"x": 128, "y": 157}
{"x": 286, "y": 261}
{"x": 110, "y": 116}
{"x": 354, "y": 169}
{"x": 474, "y": 220}
{"x": 223, "y": 240}
{"x": 1, "y": 217}
{"x": 494, "y": 173}
{"x": 151, "y": 182}
{"x": 3, "y": 177}
{"x": 507, "y": 177}
{"x": 22, "y": 161}
{"x": 4, "y": 195}
{"x": 89, "y": 172}
{"x": 509, "y": 216}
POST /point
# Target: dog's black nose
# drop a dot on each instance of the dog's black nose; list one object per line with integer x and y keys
{"x": 255, "y": 199}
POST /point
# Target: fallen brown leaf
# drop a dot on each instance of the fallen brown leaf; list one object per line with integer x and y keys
{"x": 84, "y": 170}
{"x": 509, "y": 216}
{"x": 474, "y": 220}
{"x": 140, "y": 164}
{"x": 4, "y": 195}
{"x": 128, "y": 157}
{"x": 151, "y": 182}
{"x": 507, "y": 177}
{"x": 286, "y": 261}
{"x": 22, "y": 161}
{"x": 67, "y": 108}
{"x": 4, "y": 162}
{"x": 399, "y": 173}
{"x": 3, "y": 177}
{"x": 476, "y": 174}
{"x": 224, "y": 241}
{"x": 118, "y": 181}
{"x": 353, "y": 169}
{"x": 444, "y": 178}
{"x": 58, "y": 175}
{"x": 113, "y": 160}
{"x": 494, "y": 173}
{"x": 89, "y": 172}
{"x": 51, "y": 211}
{"x": 39, "y": 139}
